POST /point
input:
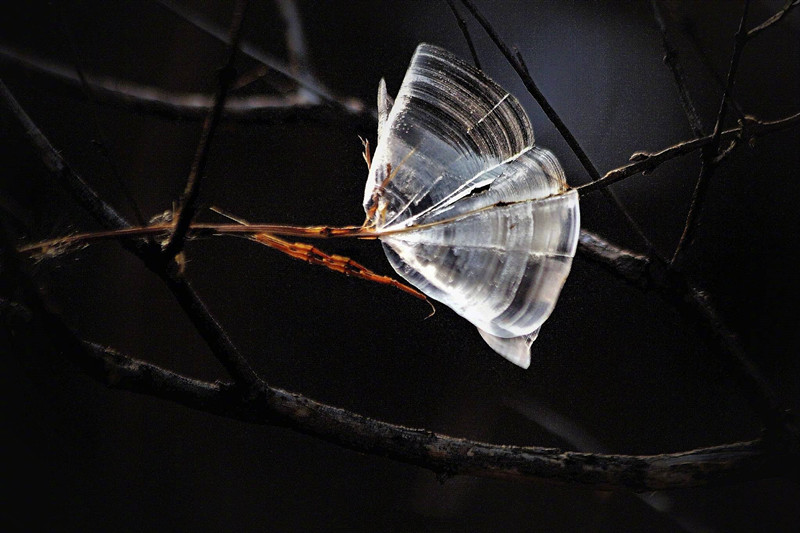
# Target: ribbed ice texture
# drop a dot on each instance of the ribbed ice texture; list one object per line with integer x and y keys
{"x": 474, "y": 215}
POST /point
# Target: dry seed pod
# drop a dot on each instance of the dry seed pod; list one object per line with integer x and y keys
{"x": 470, "y": 211}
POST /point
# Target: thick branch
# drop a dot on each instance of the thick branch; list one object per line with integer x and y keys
{"x": 439, "y": 453}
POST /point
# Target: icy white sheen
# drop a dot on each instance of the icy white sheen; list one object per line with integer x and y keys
{"x": 470, "y": 211}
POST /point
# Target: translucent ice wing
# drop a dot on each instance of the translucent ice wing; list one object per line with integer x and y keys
{"x": 469, "y": 211}
{"x": 385, "y": 103}
{"x": 500, "y": 268}
{"x": 516, "y": 349}
{"x": 535, "y": 174}
{"x": 448, "y": 128}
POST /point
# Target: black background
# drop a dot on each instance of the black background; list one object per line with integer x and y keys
{"x": 616, "y": 368}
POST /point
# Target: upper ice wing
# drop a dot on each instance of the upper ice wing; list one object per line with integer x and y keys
{"x": 450, "y": 127}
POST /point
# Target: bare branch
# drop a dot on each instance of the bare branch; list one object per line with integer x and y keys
{"x": 630, "y": 266}
{"x": 260, "y": 109}
{"x": 711, "y": 150}
{"x": 439, "y": 453}
{"x": 227, "y": 74}
{"x": 299, "y": 63}
{"x": 462, "y": 25}
{"x": 691, "y": 36}
{"x": 780, "y": 423}
{"x": 86, "y": 196}
{"x": 116, "y": 175}
{"x": 646, "y": 162}
{"x": 197, "y": 20}
{"x": 527, "y": 80}
{"x": 676, "y": 289}
{"x": 787, "y": 7}
{"x": 208, "y": 327}
{"x": 678, "y": 75}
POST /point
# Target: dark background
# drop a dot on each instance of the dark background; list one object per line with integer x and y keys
{"x": 615, "y": 368}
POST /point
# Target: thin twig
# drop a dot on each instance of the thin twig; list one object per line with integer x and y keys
{"x": 780, "y": 424}
{"x": 750, "y": 128}
{"x": 711, "y": 151}
{"x": 227, "y": 74}
{"x": 199, "y": 21}
{"x": 691, "y": 36}
{"x": 299, "y": 63}
{"x": 103, "y": 143}
{"x": 671, "y": 59}
{"x": 260, "y": 109}
{"x": 643, "y": 162}
{"x": 462, "y": 25}
{"x": 527, "y": 80}
{"x": 86, "y": 196}
{"x": 185, "y": 295}
{"x": 609, "y": 193}
{"x": 777, "y": 17}
{"x": 516, "y": 61}
{"x": 676, "y": 289}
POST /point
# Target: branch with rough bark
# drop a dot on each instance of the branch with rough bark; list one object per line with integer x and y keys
{"x": 250, "y": 398}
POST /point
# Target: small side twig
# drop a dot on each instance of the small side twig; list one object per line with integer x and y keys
{"x": 86, "y": 196}
{"x": 518, "y": 64}
{"x": 89, "y": 92}
{"x": 299, "y": 62}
